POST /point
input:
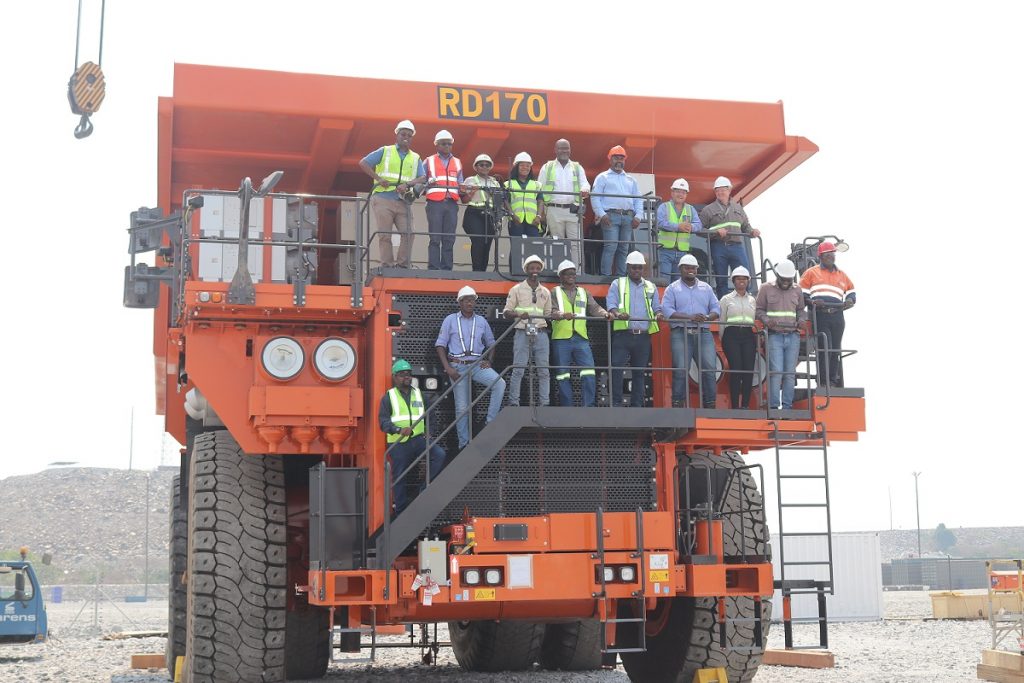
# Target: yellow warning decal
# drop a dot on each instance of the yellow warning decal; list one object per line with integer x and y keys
{"x": 483, "y": 594}
{"x": 658, "y": 575}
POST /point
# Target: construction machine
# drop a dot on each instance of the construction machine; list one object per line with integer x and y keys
{"x": 576, "y": 537}
{"x": 22, "y": 612}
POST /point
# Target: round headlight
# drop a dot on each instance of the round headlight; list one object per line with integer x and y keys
{"x": 492, "y": 576}
{"x": 431, "y": 384}
{"x": 335, "y": 359}
{"x": 283, "y": 357}
{"x": 609, "y": 574}
{"x": 627, "y": 573}
{"x": 471, "y": 577}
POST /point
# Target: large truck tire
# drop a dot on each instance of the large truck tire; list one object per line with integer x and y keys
{"x": 177, "y": 598}
{"x": 572, "y": 646}
{"x": 237, "y": 574}
{"x": 496, "y": 645}
{"x": 307, "y": 643}
{"x": 682, "y": 633}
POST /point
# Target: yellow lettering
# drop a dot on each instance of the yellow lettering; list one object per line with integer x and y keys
{"x": 495, "y": 105}
{"x": 536, "y": 108}
{"x": 517, "y": 99}
{"x": 472, "y": 103}
{"x": 449, "y": 101}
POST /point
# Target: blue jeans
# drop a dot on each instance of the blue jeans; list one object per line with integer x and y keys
{"x": 668, "y": 263}
{"x": 618, "y": 237}
{"x": 521, "y": 357}
{"x": 783, "y": 350}
{"x": 402, "y": 455}
{"x": 633, "y": 350}
{"x": 726, "y": 256}
{"x": 464, "y": 394}
{"x": 686, "y": 348}
{"x": 574, "y": 351}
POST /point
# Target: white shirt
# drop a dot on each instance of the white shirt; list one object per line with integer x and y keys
{"x": 563, "y": 182}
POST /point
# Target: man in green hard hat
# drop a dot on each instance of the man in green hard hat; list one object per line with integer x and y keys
{"x": 401, "y": 418}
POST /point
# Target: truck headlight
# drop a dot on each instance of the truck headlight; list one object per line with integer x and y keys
{"x": 609, "y": 574}
{"x": 627, "y": 573}
{"x": 334, "y": 359}
{"x": 283, "y": 357}
{"x": 492, "y": 577}
{"x": 471, "y": 577}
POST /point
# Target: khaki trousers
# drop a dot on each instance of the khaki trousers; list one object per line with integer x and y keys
{"x": 392, "y": 217}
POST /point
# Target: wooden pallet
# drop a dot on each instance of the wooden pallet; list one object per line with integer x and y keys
{"x": 1001, "y": 666}
{"x": 805, "y": 659}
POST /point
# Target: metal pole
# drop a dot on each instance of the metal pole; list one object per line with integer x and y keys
{"x": 145, "y": 577}
{"x": 917, "y": 505}
{"x": 131, "y": 438}
{"x": 890, "y": 508}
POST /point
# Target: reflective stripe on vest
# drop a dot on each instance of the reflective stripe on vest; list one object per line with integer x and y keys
{"x": 524, "y": 200}
{"x": 564, "y": 329}
{"x": 731, "y": 226}
{"x": 781, "y": 314}
{"x": 480, "y": 181}
{"x": 405, "y": 414}
{"x": 624, "y": 296}
{"x": 679, "y": 241}
{"x": 394, "y": 168}
{"x": 443, "y": 177}
{"x": 549, "y": 183}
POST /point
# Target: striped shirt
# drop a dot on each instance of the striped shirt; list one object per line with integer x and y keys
{"x": 831, "y": 286}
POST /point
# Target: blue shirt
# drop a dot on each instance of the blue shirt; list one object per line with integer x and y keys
{"x": 611, "y": 182}
{"x": 476, "y": 336}
{"x": 679, "y": 298}
{"x": 373, "y": 158}
{"x": 664, "y": 223}
{"x": 637, "y": 305}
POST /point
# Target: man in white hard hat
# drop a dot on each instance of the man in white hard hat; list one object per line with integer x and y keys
{"x": 729, "y": 230}
{"x": 676, "y": 221}
{"x": 444, "y": 178}
{"x": 618, "y": 215}
{"x": 464, "y": 339}
{"x": 689, "y": 305}
{"x": 395, "y": 169}
{"x": 633, "y": 301}
{"x": 530, "y": 304}
{"x": 780, "y": 308}
{"x": 479, "y": 219}
{"x": 571, "y": 305}
{"x": 525, "y": 202}
{"x": 565, "y": 187}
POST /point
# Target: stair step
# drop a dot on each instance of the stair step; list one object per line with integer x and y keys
{"x": 803, "y": 505}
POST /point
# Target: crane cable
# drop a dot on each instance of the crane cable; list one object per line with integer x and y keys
{"x": 87, "y": 87}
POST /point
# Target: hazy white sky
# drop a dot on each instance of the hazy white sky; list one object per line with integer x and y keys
{"x": 914, "y": 105}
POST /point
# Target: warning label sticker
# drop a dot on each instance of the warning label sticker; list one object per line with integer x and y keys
{"x": 659, "y": 575}
{"x": 483, "y": 594}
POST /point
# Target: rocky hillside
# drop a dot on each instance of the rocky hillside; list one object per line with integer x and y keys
{"x": 94, "y": 520}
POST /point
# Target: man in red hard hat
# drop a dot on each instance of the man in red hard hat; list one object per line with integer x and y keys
{"x": 618, "y": 215}
{"x": 828, "y": 292}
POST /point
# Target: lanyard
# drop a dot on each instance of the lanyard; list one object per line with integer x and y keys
{"x": 472, "y": 336}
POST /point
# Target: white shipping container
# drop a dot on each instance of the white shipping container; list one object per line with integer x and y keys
{"x": 857, "y": 563}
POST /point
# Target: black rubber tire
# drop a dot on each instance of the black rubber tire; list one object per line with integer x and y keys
{"x": 689, "y": 639}
{"x": 307, "y": 643}
{"x": 572, "y": 646}
{"x": 237, "y": 576}
{"x": 496, "y": 645}
{"x": 177, "y": 598}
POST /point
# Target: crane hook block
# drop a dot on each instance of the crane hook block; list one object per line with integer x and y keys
{"x": 86, "y": 91}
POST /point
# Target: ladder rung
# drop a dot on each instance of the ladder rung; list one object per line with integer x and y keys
{"x": 800, "y": 448}
{"x": 806, "y": 620}
{"x": 632, "y": 620}
{"x": 802, "y": 476}
{"x": 806, "y": 533}
{"x": 804, "y": 592}
{"x": 803, "y": 505}
{"x": 806, "y": 564}
{"x": 806, "y": 647}
{"x": 625, "y": 649}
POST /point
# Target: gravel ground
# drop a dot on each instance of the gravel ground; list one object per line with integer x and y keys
{"x": 902, "y": 648}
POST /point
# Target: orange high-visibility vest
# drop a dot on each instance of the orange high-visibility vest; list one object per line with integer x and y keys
{"x": 444, "y": 181}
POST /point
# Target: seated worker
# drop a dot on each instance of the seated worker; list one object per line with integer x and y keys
{"x": 463, "y": 339}
{"x": 676, "y": 221}
{"x": 530, "y": 302}
{"x": 633, "y": 301}
{"x": 570, "y": 345}
{"x": 401, "y": 418}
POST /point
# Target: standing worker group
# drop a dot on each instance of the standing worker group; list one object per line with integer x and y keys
{"x": 395, "y": 170}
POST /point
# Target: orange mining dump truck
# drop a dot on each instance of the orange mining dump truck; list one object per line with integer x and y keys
{"x": 576, "y": 537}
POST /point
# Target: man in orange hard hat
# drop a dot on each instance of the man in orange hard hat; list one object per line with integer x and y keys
{"x": 828, "y": 292}
{"x": 617, "y": 207}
